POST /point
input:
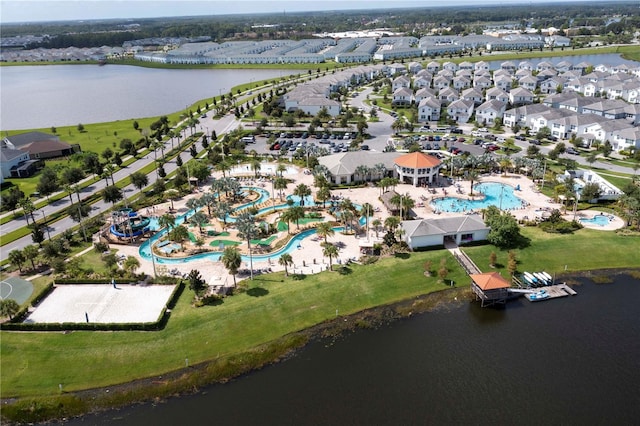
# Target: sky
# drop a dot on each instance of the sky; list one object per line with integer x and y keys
{"x": 56, "y": 10}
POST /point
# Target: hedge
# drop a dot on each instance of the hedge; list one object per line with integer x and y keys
{"x": 17, "y": 325}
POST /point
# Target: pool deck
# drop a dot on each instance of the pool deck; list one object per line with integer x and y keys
{"x": 311, "y": 249}
{"x": 615, "y": 222}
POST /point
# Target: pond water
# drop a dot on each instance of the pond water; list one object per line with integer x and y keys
{"x": 572, "y": 360}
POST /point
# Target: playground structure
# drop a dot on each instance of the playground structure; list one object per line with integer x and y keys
{"x": 126, "y": 224}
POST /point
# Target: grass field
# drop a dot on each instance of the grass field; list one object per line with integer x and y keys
{"x": 587, "y": 249}
{"x": 35, "y": 363}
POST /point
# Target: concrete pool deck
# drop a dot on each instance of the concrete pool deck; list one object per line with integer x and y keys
{"x": 349, "y": 246}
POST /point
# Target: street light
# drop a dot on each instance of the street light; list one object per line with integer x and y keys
{"x": 45, "y": 224}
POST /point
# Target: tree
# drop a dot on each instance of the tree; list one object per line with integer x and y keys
{"x": 231, "y": 260}
{"x": 493, "y": 258}
{"x": 280, "y": 184}
{"x": 16, "y": 257}
{"x": 179, "y": 234}
{"x": 330, "y": 251}
{"x": 28, "y": 208}
{"x": 297, "y": 213}
{"x": 167, "y": 220}
{"x": 80, "y": 127}
{"x": 302, "y": 191}
{"x": 323, "y": 194}
{"x": 37, "y": 234}
{"x": 171, "y": 194}
{"x": 443, "y": 271}
{"x": 112, "y": 194}
{"x": 505, "y": 231}
{"x": 285, "y": 260}
{"x": 139, "y": 180}
{"x": 591, "y": 191}
{"x": 12, "y": 198}
{"x": 196, "y": 283}
{"x": 31, "y": 253}
{"x": 512, "y": 264}
{"x": 324, "y": 230}
{"x": 247, "y": 229}
{"x": 8, "y": 308}
{"x": 48, "y": 183}
{"x": 198, "y": 219}
{"x": 131, "y": 263}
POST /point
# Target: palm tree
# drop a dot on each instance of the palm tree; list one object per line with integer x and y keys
{"x": 222, "y": 210}
{"x": 171, "y": 194}
{"x": 287, "y": 217}
{"x": 330, "y": 251}
{"x": 247, "y": 229}
{"x": 256, "y": 166}
{"x": 376, "y": 225}
{"x": 231, "y": 260}
{"x": 16, "y": 257}
{"x": 285, "y": 260}
{"x": 473, "y": 176}
{"x": 131, "y": 263}
{"x": 280, "y": 184}
{"x": 323, "y": 194}
{"x": 391, "y": 223}
{"x": 198, "y": 219}
{"x": 361, "y": 171}
{"x": 28, "y": 208}
{"x": 505, "y": 163}
{"x": 366, "y": 210}
{"x": 397, "y": 125}
{"x": 167, "y": 220}
{"x": 297, "y": 213}
{"x": 325, "y": 230}
{"x": 379, "y": 170}
{"x": 281, "y": 169}
{"x": 302, "y": 191}
{"x": 179, "y": 234}
{"x": 31, "y": 253}
{"x": 208, "y": 200}
{"x": 224, "y": 167}
{"x": 8, "y": 308}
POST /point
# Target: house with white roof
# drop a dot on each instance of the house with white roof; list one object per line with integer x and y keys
{"x": 497, "y": 93}
{"x": 401, "y": 81}
{"x": 474, "y": 95}
{"x": 626, "y": 139}
{"x": 423, "y": 93}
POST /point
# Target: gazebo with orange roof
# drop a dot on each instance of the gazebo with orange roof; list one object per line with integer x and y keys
{"x": 490, "y": 288}
{"x": 417, "y": 168}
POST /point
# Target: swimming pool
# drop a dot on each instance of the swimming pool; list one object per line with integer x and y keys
{"x": 598, "y": 220}
{"x": 495, "y": 194}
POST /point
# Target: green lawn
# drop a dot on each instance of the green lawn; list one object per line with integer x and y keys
{"x": 35, "y": 363}
{"x": 586, "y": 249}
{"x": 216, "y": 243}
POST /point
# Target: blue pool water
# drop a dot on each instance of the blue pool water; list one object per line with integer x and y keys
{"x": 599, "y": 220}
{"x": 293, "y": 244}
{"x": 496, "y": 194}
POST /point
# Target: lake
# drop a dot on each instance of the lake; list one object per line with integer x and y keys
{"x": 564, "y": 361}
{"x": 65, "y": 95}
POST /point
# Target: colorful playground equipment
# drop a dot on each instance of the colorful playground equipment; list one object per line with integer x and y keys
{"x": 127, "y": 224}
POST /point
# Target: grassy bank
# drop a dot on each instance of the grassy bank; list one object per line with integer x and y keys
{"x": 34, "y": 364}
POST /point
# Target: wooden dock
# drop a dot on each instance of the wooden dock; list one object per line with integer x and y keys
{"x": 554, "y": 291}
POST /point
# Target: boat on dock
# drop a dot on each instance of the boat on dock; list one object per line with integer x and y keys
{"x": 551, "y": 292}
{"x": 538, "y": 295}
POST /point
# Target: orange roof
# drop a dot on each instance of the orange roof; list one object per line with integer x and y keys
{"x": 417, "y": 160}
{"x": 490, "y": 281}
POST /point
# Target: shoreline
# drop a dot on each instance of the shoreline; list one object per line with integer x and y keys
{"x": 190, "y": 380}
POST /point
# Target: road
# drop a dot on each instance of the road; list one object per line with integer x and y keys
{"x": 221, "y": 126}
{"x": 380, "y": 132}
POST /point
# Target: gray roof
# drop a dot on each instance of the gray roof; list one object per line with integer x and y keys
{"x": 443, "y": 225}
{"x": 29, "y": 137}
{"x": 346, "y": 163}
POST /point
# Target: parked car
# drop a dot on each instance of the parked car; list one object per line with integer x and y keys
{"x": 520, "y": 138}
{"x": 436, "y": 146}
{"x": 364, "y": 147}
{"x": 572, "y": 150}
{"x": 456, "y": 130}
{"x": 534, "y": 142}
